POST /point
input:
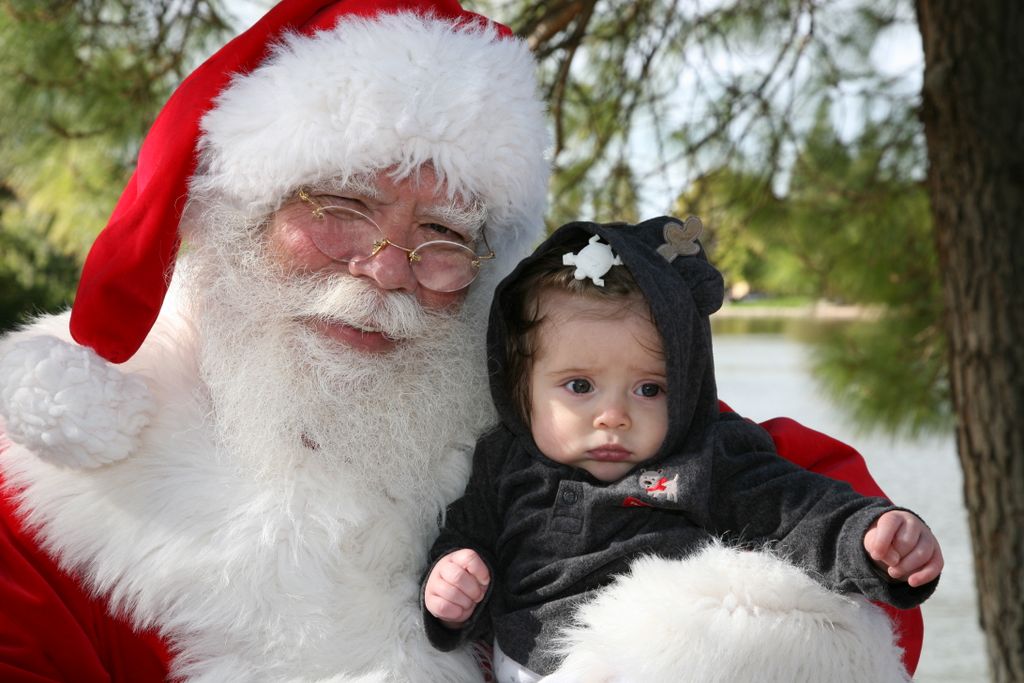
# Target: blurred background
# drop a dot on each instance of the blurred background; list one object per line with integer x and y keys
{"x": 793, "y": 128}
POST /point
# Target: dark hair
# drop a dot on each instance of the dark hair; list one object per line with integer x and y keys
{"x": 521, "y": 310}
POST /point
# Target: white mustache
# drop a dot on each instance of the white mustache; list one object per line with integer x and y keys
{"x": 351, "y": 301}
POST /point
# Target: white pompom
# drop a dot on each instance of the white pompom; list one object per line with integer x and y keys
{"x": 68, "y": 405}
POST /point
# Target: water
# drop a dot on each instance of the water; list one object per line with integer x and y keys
{"x": 768, "y": 375}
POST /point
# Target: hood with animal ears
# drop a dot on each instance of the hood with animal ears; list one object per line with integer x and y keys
{"x": 682, "y": 289}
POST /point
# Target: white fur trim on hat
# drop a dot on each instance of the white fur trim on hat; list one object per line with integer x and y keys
{"x": 68, "y": 405}
{"x": 398, "y": 90}
{"x": 728, "y": 616}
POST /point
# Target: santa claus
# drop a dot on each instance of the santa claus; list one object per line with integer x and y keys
{"x": 250, "y": 492}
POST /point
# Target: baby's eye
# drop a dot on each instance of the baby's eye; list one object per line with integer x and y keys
{"x": 579, "y": 386}
{"x": 649, "y": 390}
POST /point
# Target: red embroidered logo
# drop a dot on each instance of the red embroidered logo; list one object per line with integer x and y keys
{"x": 660, "y": 486}
{"x": 631, "y": 502}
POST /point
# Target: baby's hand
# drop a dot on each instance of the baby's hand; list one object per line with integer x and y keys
{"x": 900, "y": 543}
{"x": 456, "y": 585}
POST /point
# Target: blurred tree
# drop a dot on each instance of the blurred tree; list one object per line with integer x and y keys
{"x": 80, "y": 82}
{"x": 695, "y": 85}
{"x": 26, "y": 253}
{"x": 848, "y": 229}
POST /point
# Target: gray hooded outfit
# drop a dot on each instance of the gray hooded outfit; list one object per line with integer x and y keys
{"x": 552, "y": 534}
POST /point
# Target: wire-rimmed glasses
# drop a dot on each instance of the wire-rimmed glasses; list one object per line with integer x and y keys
{"x": 346, "y": 235}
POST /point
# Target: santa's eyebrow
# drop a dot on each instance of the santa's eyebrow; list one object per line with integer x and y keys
{"x": 467, "y": 216}
{"x": 363, "y": 185}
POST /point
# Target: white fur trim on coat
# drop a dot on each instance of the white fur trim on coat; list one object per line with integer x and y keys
{"x": 292, "y": 576}
{"x": 68, "y": 405}
{"x": 399, "y": 90}
{"x": 728, "y": 616}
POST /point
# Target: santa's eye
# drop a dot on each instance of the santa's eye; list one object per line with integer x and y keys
{"x": 579, "y": 386}
{"x": 329, "y": 201}
{"x": 649, "y": 390}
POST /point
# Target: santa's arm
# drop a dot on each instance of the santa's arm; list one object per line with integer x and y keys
{"x": 53, "y": 630}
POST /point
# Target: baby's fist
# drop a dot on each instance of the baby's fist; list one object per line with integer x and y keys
{"x": 901, "y": 544}
{"x": 456, "y": 585}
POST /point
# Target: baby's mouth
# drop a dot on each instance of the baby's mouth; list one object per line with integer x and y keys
{"x": 609, "y": 453}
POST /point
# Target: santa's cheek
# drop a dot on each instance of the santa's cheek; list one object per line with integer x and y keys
{"x": 295, "y": 253}
{"x": 440, "y": 301}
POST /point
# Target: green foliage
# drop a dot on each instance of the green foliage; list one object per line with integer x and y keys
{"x": 888, "y": 374}
{"x": 851, "y": 228}
{"x": 847, "y": 229}
{"x": 596, "y": 73}
{"x": 35, "y": 277}
{"x": 80, "y": 82}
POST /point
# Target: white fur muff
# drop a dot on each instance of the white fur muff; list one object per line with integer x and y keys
{"x": 727, "y": 616}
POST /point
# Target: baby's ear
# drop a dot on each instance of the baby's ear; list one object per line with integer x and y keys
{"x": 69, "y": 406}
{"x": 706, "y": 284}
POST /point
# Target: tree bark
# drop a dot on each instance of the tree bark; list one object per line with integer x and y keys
{"x": 973, "y": 113}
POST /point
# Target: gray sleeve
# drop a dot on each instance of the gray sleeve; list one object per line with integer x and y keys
{"x": 472, "y": 521}
{"x": 759, "y": 498}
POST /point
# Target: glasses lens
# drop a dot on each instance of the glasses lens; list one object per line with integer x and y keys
{"x": 346, "y": 235}
{"x": 343, "y": 234}
{"x": 445, "y": 266}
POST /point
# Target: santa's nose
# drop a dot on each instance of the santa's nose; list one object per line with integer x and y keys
{"x": 389, "y": 268}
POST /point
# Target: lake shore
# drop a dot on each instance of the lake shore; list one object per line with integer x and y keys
{"x": 817, "y": 310}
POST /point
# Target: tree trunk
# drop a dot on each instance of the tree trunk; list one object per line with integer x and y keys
{"x": 973, "y": 112}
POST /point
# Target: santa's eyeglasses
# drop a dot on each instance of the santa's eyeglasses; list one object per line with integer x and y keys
{"x": 347, "y": 235}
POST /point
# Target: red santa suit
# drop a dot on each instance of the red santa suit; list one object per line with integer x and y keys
{"x": 52, "y": 629}
{"x": 134, "y": 545}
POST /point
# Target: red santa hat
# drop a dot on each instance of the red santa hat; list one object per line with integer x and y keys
{"x": 318, "y": 89}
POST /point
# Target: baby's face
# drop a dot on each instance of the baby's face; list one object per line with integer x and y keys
{"x": 598, "y": 396}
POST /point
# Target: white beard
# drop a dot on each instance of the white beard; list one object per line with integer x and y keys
{"x": 285, "y": 396}
{"x": 274, "y": 522}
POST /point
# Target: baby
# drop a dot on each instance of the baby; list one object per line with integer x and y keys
{"x": 612, "y": 446}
